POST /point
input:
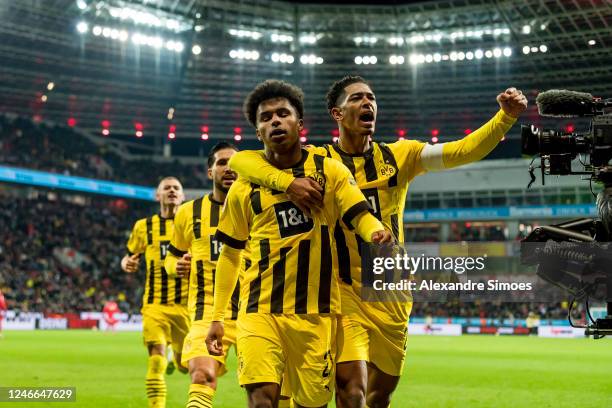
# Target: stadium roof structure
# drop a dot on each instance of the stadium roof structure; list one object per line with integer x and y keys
{"x": 185, "y": 66}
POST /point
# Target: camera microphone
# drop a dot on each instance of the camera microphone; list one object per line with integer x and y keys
{"x": 562, "y": 103}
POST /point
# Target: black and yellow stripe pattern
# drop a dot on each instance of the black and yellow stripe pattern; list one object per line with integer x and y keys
{"x": 194, "y": 231}
{"x": 151, "y": 236}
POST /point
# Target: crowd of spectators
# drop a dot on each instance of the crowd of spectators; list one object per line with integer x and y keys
{"x": 57, "y": 256}
{"x": 60, "y": 149}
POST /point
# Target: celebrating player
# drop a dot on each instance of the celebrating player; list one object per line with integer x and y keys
{"x": 374, "y": 333}
{"x": 290, "y": 293}
{"x": 194, "y": 248}
{"x": 164, "y": 311}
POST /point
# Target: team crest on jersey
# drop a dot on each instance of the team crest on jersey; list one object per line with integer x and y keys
{"x": 319, "y": 178}
{"x": 387, "y": 170}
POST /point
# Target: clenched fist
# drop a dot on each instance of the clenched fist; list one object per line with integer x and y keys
{"x": 512, "y": 101}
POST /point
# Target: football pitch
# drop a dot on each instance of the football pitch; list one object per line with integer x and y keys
{"x": 108, "y": 370}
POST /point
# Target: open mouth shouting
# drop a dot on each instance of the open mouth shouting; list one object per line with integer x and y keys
{"x": 366, "y": 119}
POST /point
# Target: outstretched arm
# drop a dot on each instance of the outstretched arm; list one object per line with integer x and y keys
{"x": 481, "y": 142}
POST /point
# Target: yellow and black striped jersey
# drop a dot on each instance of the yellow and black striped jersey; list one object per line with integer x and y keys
{"x": 195, "y": 225}
{"x": 151, "y": 236}
{"x": 294, "y": 268}
{"x": 383, "y": 173}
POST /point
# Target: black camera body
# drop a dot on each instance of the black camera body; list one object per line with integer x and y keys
{"x": 558, "y": 149}
{"x": 576, "y": 255}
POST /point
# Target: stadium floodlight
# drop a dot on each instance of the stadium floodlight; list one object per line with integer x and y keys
{"x": 400, "y": 59}
{"x": 592, "y": 42}
{"x": 488, "y": 53}
{"x": 50, "y": 86}
{"x": 233, "y": 54}
{"x": 429, "y": 58}
{"x": 179, "y": 46}
{"x": 469, "y": 55}
{"x": 81, "y": 4}
{"x": 196, "y": 50}
{"x": 106, "y": 32}
{"x": 358, "y": 60}
{"x": 437, "y": 57}
{"x": 308, "y": 39}
{"x": 82, "y": 27}
{"x": 535, "y": 49}
{"x": 453, "y": 56}
{"x": 395, "y": 40}
{"x": 526, "y": 50}
{"x": 123, "y": 35}
{"x": 460, "y": 55}
{"x": 543, "y": 48}
{"x": 526, "y": 29}
{"x": 507, "y": 51}
{"x": 198, "y": 28}
{"x": 497, "y": 52}
{"x": 97, "y": 30}
{"x": 414, "y": 59}
{"x": 255, "y": 35}
{"x": 280, "y": 38}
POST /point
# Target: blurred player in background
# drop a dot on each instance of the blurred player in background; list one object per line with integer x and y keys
{"x": 3, "y": 309}
{"x": 290, "y": 294}
{"x": 164, "y": 312}
{"x": 372, "y": 336}
{"x": 109, "y": 311}
{"x": 193, "y": 253}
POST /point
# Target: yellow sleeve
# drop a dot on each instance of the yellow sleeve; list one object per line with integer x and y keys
{"x": 137, "y": 243}
{"x": 407, "y": 155}
{"x": 471, "y": 148}
{"x": 350, "y": 201}
{"x": 179, "y": 244}
{"x": 233, "y": 228}
{"x": 366, "y": 224}
{"x": 228, "y": 270}
{"x": 253, "y": 166}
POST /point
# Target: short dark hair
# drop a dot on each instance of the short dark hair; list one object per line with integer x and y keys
{"x": 216, "y": 148}
{"x": 337, "y": 89}
{"x": 270, "y": 89}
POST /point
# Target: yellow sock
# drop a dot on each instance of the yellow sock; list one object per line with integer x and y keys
{"x": 200, "y": 396}
{"x": 155, "y": 381}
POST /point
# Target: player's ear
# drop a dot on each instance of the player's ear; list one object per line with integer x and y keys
{"x": 209, "y": 172}
{"x": 300, "y": 125}
{"x": 258, "y": 134}
{"x": 336, "y": 113}
{"x": 157, "y": 195}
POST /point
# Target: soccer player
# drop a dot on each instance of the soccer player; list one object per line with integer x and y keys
{"x": 289, "y": 294}
{"x": 164, "y": 312}
{"x": 194, "y": 248}
{"x": 3, "y": 309}
{"x": 110, "y": 309}
{"x": 374, "y": 333}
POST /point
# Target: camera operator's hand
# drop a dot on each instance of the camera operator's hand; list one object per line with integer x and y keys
{"x": 513, "y": 102}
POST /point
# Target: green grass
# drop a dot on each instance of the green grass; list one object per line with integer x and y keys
{"x": 470, "y": 371}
